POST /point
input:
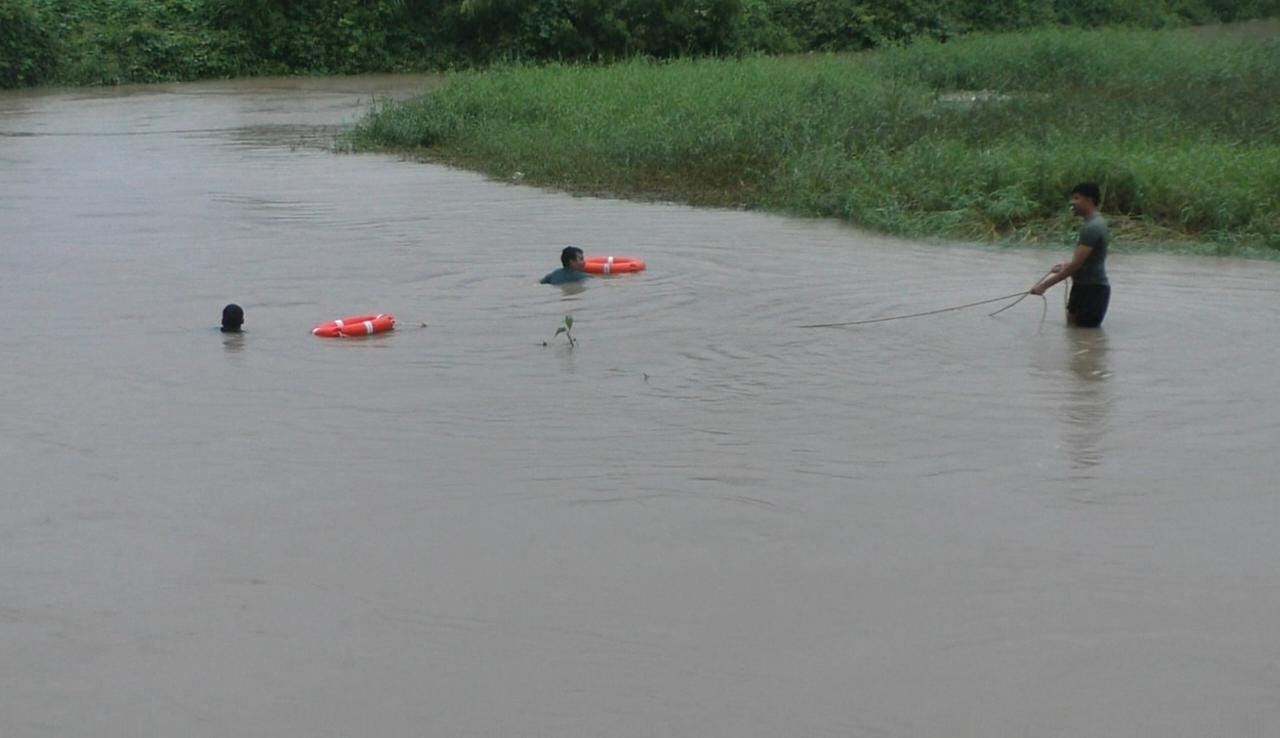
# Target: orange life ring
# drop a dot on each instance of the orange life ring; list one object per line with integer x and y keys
{"x": 363, "y": 325}
{"x": 612, "y": 265}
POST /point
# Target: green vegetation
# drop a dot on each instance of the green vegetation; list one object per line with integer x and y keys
{"x": 567, "y": 330}
{"x": 114, "y": 41}
{"x": 105, "y": 42}
{"x": 26, "y": 46}
{"x": 980, "y": 137}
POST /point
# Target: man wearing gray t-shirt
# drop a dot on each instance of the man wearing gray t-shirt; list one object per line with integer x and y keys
{"x": 1090, "y": 290}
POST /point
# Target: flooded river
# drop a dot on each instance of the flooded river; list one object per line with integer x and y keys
{"x": 701, "y": 521}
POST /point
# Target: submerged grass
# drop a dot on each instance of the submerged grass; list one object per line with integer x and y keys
{"x": 976, "y": 138}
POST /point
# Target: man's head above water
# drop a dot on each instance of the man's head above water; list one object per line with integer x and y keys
{"x": 572, "y": 258}
{"x": 232, "y": 318}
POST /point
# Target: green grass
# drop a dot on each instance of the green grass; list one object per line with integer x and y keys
{"x": 1182, "y": 132}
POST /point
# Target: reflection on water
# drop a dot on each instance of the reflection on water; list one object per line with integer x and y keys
{"x": 233, "y": 342}
{"x": 1088, "y": 405}
{"x": 700, "y": 521}
{"x": 573, "y": 288}
{"x": 1089, "y": 354}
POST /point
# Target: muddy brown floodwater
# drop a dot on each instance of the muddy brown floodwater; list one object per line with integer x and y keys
{"x": 702, "y": 521}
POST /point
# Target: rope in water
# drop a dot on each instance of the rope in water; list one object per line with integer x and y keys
{"x": 1020, "y": 295}
{"x": 953, "y": 308}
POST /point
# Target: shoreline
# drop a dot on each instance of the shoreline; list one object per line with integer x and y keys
{"x": 976, "y": 140}
{"x": 1124, "y": 240}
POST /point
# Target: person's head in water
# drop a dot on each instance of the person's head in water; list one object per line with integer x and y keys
{"x": 1085, "y": 199}
{"x": 571, "y": 258}
{"x": 232, "y": 318}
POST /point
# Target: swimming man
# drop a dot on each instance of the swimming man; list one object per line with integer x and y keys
{"x": 573, "y": 262}
{"x": 232, "y": 318}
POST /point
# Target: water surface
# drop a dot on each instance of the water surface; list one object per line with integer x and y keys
{"x": 702, "y": 521}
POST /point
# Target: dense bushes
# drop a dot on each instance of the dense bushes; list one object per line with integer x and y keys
{"x": 842, "y": 25}
{"x": 330, "y": 37}
{"x": 115, "y": 41}
{"x": 26, "y": 45}
{"x": 106, "y": 41}
{"x": 593, "y": 29}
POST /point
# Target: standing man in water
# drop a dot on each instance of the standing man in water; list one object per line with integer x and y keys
{"x": 573, "y": 262}
{"x": 1090, "y": 290}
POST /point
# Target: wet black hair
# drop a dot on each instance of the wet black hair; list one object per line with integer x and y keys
{"x": 569, "y": 254}
{"x": 232, "y": 318}
{"x": 1089, "y": 190}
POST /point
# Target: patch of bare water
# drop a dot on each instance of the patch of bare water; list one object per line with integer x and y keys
{"x": 701, "y": 521}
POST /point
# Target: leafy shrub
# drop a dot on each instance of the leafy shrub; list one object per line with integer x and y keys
{"x": 331, "y": 37}
{"x": 27, "y": 49}
{"x": 843, "y": 25}
{"x": 594, "y": 29}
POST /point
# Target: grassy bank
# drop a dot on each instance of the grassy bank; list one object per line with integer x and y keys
{"x": 976, "y": 138}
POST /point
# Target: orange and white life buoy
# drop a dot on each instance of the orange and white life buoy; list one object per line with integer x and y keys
{"x": 363, "y": 325}
{"x": 612, "y": 265}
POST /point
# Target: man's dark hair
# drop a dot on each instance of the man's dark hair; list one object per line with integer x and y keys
{"x": 1089, "y": 190}
{"x": 232, "y": 318}
{"x": 569, "y": 254}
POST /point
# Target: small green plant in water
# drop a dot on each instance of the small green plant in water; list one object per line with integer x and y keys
{"x": 567, "y": 330}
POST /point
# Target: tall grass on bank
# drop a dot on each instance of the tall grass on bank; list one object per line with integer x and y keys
{"x": 981, "y": 137}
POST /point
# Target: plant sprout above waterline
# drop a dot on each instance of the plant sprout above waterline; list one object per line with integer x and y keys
{"x": 567, "y": 329}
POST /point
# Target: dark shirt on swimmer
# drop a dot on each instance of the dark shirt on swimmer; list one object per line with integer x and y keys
{"x": 564, "y": 276}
